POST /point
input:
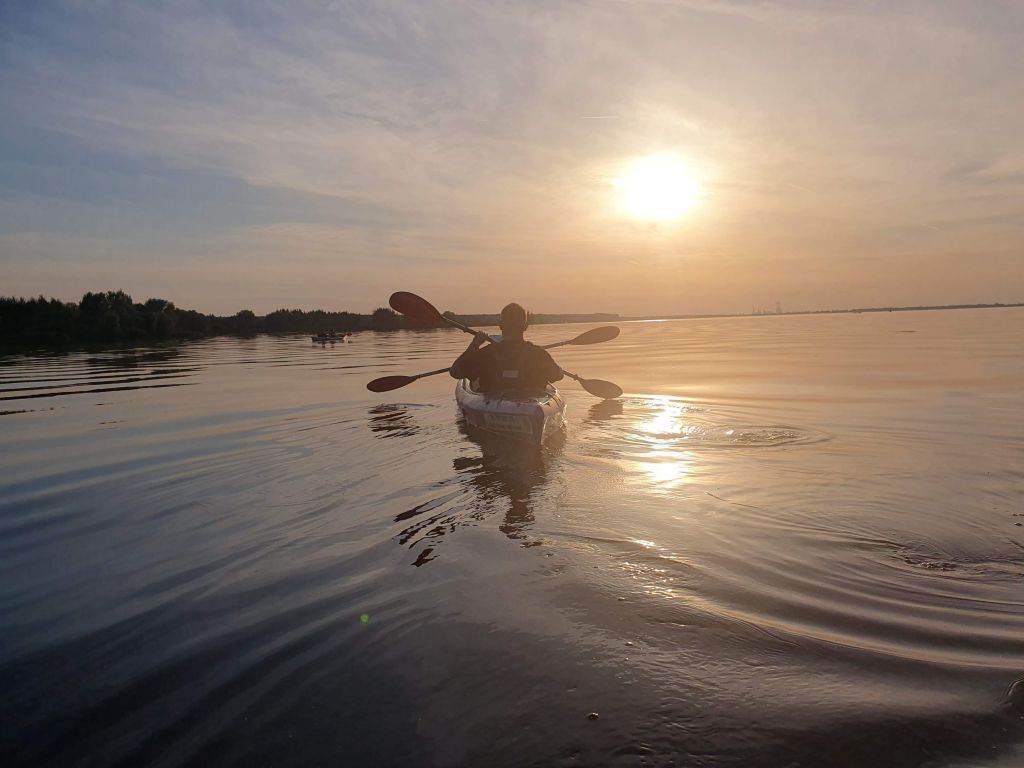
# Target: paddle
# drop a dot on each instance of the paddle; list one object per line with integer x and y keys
{"x": 388, "y": 383}
{"x": 418, "y": 308}
{"x": 597, "y": 387}
{"x": 593, "y": 336}
{"x": 606, "y": 390}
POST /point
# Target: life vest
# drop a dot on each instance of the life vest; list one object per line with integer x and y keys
{"x": 512, "y": 369}
{"x": 508, "y": 369}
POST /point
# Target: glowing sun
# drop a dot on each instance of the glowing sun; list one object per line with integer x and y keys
{"x": 658, "y": 187}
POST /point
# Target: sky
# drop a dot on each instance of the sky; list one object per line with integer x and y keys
{"x": 323, "y": 154}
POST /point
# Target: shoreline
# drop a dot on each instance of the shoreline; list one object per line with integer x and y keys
{"x": 72, "y": 345}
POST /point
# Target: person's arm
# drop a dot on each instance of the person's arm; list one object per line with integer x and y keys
{"x": 552, "y": 372}
{"x": 465, "y": 366}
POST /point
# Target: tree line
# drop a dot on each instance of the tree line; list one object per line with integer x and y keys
{"x": 113, "y": 316}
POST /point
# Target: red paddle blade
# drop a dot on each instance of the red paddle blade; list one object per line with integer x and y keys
{"x": 416, "y": 307}
{"x": 388, "y": 383}
{"x": 596, "y": 335}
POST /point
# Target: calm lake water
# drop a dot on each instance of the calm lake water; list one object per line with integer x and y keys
{"x": 795, "y": 541}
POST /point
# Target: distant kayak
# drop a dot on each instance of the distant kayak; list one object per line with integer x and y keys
{"x": 530, "y": 417}
{"x": 330, "y": 337}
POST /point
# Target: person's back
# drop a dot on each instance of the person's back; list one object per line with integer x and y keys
{"x": 511, "y": 364}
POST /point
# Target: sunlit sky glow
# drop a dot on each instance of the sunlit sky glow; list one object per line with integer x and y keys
{"x": 658, "y": 188}
{"x": 310, "y": 154}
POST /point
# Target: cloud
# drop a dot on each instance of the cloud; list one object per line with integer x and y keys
{"x": 440, "y": 137}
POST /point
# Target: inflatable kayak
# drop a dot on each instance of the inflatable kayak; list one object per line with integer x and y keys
{"x": 524, "y": 416}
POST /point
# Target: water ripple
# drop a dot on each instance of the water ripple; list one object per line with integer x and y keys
{"x": 794, "y": 542}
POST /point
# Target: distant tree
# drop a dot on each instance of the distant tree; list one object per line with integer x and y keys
{"x": 385, "y": 319}
{"x": 153, "y": 306}
{"x": 192, "y": 323}
{"x": 280, "y": 321}
{"x": 130, "y": 316}
{"x": 109, "y": 326}
{"x": 273, "y": 321}
{"x": 160, "y": 318}
{"x": 36, "y": 321}
{"x": 93, "y": 304}
{"x": 92, "y": 311}
{"x": 111, "y": 316}
{"x": 104, "y": 316}
{"x": 245, "y": 322}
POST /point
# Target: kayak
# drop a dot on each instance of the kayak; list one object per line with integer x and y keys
{"x": 336, "y": 337}
{"x": 530, "y": 417}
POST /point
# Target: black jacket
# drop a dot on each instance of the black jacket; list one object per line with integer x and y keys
{"x": 508, "y": 365}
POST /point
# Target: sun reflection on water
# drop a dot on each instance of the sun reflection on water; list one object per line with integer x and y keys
{"x": 666, "y": 470}
{"x": 671, "y": 421}
{"x": 665, "y": 466}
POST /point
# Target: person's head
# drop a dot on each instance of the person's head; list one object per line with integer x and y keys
{"x": 513, "y": 320}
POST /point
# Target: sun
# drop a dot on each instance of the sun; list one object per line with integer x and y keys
{"x": 658, "y": 187}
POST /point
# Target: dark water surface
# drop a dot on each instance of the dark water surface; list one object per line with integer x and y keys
{"x": 795, "y": 541}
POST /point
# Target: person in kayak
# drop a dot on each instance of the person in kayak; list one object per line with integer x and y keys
{"x": 511, "y": 364}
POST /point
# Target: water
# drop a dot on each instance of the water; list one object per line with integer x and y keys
{"x": 794, "y": 541}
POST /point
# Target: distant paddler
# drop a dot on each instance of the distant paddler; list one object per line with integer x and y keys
{"x": 324, "y": 336}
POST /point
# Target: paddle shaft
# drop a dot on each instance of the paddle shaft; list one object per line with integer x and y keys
{"x": 460, "y": 326}
{"x": 445, "y": 370}
{"x": 429, "y": 373}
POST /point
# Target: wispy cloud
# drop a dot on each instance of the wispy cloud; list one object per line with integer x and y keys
{"x": 459, "y": 141}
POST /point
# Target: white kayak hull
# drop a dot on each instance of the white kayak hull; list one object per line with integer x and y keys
{"x": 527, "y": 417}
